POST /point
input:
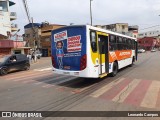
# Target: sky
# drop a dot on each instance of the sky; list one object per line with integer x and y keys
{"x": 144, "y": 13}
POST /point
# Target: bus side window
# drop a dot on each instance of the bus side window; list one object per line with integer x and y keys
{"x": 93, "y": 39}
{"x": 112, "y": 43}
{"x": 119, "y": 43}
{"x": 127, "y": 44}
{"x": 133, "y": 46}
{"x": 130, "y": 43}
{"x": 124, "y": 43}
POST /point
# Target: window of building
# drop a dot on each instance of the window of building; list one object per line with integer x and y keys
{"x": 27, "y": 35}
{"x": 123, "y": 26}
{"x": 47, "y": 39}
{"x": 3, "y": 5}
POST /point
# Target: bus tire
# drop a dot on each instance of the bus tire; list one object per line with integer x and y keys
{"x": 115, "y": 69}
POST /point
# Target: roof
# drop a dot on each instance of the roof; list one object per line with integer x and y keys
{"x": 146, "y": 38}
{"x": 11, "y": 3}
{"x": 34, "y": 25}
{"x": 112, "y": 24}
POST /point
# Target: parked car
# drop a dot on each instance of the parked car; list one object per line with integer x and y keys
{"x": 13, "y": 62}
{"x": 141, "y": 50}
{"x": 153, "y": 50}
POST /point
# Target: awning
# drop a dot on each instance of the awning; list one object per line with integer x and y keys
{"x": 11, "y": 3}
{"x": 22, "y": 48}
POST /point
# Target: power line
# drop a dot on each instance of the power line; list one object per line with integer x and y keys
{"x": 150, "y": 27}
{"x": 27, "y": 10}
{"x": 22, "y": 10}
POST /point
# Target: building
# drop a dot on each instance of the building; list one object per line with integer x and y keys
{"x": 33, "y": 35}
{"x": 151, "y": 34}
{"x": 122, "y": 28}
{"x": 10, "y": 42}
{"x": 133, "y": 31}
{"x": 38, "y": 36}
{"x": 10, "y": 47}
{"x": 147, "y": 43}
{"x": 117, "y": 27}
{"x": 46, "y": 37}
{"x": 155, "y": 34}
{"x": 6, "y": 18}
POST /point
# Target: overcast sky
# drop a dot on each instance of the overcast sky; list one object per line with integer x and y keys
{"x": 144, "y": 13}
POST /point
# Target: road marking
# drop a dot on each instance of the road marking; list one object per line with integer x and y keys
{"x": 111, "y": 93}
{"x": 18, "y": 73}
{"x": 106, "y": 88}
{"x": 52, "y": 79}
{"x": 62, "y": 89}
{"x": 27, "y": 75}
{"x": 66, "y": 80}
{"x": 28, "y": 81}
{"x": 126, "y": 91}
{"x": 82, "y": 89}
{"x": 151, "y": 96}
{"x": 44, "y": 69}
{"x": 31, "y": 77}
{"x": 48, "y": 86}
{"x": 137, "y": 95}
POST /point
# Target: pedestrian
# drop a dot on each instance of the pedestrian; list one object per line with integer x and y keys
{"x": 29, "y": 57}
{"x": 32, "y": 56}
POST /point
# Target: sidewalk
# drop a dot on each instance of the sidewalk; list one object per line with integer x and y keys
{"x": 42, "y": 62}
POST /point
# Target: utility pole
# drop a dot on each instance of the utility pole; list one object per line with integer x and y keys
{"x": 34, "y": 41}
{"x": 33, "y": 28}
{"x": 91, "y": 11}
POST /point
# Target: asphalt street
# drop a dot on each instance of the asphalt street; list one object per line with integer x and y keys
{"x": 135, "y": 88}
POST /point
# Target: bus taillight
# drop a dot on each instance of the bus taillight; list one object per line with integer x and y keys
{"x": 53, "y": 62}
{"x": 83, "y": 63}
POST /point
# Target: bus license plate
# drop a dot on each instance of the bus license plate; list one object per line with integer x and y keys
{"x": 66, "y": 73}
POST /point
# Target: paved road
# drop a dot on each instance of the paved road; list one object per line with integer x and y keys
{"x": 44, "y": 62}
{"x": 135, "y": 88}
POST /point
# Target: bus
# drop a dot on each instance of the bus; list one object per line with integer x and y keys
{"x": 91, "y": 52}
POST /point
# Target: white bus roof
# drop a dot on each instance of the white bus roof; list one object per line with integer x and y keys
{"x": 109, "y": 32}
{"x": 101, "y": 30}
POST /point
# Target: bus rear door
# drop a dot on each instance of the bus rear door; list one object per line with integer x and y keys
{"x": 103, "y": 54}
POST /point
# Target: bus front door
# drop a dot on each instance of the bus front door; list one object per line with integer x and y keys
{"x": 103, "y": 54}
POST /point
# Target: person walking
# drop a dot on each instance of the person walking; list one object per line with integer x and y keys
{"x": 29, "y": 57}
{"x": 32, "y": 57}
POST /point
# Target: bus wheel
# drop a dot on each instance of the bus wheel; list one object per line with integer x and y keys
{"x": 115, "y": 69}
